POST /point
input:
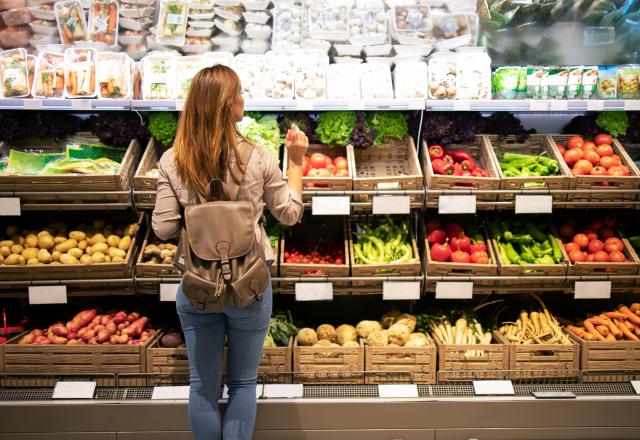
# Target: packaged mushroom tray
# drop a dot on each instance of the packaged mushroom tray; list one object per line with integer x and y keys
{"x": 443, "y": 76}
{"x": 287, "y": 26}
{"x": 328, "y": 20}
{"x": 310, "y": 74}
{"x": 279, "y": 76}
{"x": 450, "y": 30}
{"x": 250, "y": 69}
{"x": 412, "y": 24}
{"x": 375, "y": 81}
{"x": 474, "y": 74}
{"x": 411, "y": 80}
{"x": 368, "y": 26}
{"x": 343, "y": 82}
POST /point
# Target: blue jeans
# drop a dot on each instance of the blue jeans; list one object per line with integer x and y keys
{"x": 204, "y": 333}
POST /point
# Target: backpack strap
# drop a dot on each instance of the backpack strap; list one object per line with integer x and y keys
{"x": 231, "y": 189}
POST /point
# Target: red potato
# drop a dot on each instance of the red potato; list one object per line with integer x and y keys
{"x": 103, "y": 336}
{"x": 133, "y": 316}
{"x": 113, "y": 340}
{"x": 29, "y": 338}
{"x": 120, "y": 317}
{"x": 136, "y": 327}
{"x": 123, "y": 339}
{"x": 123, "y": 325}
{"x": 57, "y": 340}
{"x": 106, "y": 319}
{"x": 44, "y": 341}
{"x": 93, "y": 341}
{"x": 88, "y": 335}
{"x": 73, "y": 342}
{"x": 81, "y": 319}
{"x": 82, "y": 331}
{"x": 72, "y": 335}
{"x": 112, "y": 328}
{"x": 59, "y": 330}
{"x": 99, "y": 328}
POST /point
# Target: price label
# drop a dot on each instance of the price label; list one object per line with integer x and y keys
{"x": 81, "y": 104}
{"x": 314, "y": 291}
{"x": 10, "y": 206}
{"x": 415, "y": 104}
{"x": 74, "y": 390}
{"x": 553, "y": 395}
{"x": 454, "y": 290}
{"x": 457, "y": 204}
{"x": 538, "y": 106}
{"x": 560, "y": 106}
{"x": 47, "y": 294}
{"x": 592, "y": 290}
{"x": 355, "y": 104}
{"x": 393, "y": 290}
{"x": 225, "y": 391}
{"x": 283, "y": 391}
{"x": 179, "y": 105}
{"x": 304, "y": 105}
{"x": 170, "y": 393}
{"x": 328, "y": 205}
{"x": 32, "y": 104}
{"x": 632, "y": 104}
{"x": 534, "y": 204}
{"x": 168, "y": 291}
{"x": 493, "y": 388}
{"x": 636, "y": 386}
{"x": 398, "y": 391}
{"x": 595, "y": 105}
{"x": 461, "y": 106}
{"x": 391, "y": 205}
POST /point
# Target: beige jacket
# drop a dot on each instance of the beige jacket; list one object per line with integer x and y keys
{"x": 262, "y": 185}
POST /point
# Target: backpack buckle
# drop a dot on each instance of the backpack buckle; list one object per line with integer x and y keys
{"x": 223, "y": 248}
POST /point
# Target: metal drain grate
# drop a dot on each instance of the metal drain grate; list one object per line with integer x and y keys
{"x": 25, "y": 394}
{"x": 109, "y": 394}
{"x": 424, "y": 390}
{"x": 137, "y": 393}
{"x": 453, "y": 390}
{"x": 344, "y": 391}
{"x": 583, "y": 389}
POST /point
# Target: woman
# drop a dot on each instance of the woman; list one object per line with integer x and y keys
{"x": 205, "y": 146}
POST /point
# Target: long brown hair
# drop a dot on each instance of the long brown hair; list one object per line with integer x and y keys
{"x": 207, "y": 130}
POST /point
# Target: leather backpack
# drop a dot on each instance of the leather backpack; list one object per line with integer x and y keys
{"x": 224, "y": 264}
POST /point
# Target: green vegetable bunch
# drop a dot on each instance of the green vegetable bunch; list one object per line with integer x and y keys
{"x": 388, "y": 125}
{"x": 387, "y": 243}
{"x": 525, "y": 165}
{"x": 280, "y": 329}
{"x": 614, "y": 123}
{"x": 163, "y": 126}
{"x": 262, "y": 130}
{"x": 524, "y": 242}
{"x": 335, "y": 127}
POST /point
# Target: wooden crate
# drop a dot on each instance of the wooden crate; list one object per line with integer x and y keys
{"x": 613, "y": 360}
{"x": 162, "y": 360}
{"x": 142, "y": 182}
{"x": 541, "y": 360}
{"x": 535, "y": 145}
{"x": 610, "y": 268}
{"x": 594, "y": 183}
{"x": 460, "y": 363}
{"x": 76, "y": 271}
{"x": 325, "y": 183}
{"x": 150, "y": 270}
{"x": 392, "y": 166}
{"x": 483, "y": 156}
{"x": 420, "y": 362}
{"x": 333, "y": 232}
{"x": 328, "y": 365}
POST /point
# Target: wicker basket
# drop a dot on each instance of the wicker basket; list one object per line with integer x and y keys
{"x": 142, "y": 182}
{"x": 392, "y": 166}
{"x": 472, "y": 361}
{"x": 328, "y": 365}
{"x": 483, "y": 156}
{"x": 420, "y": 362}
{"x": 533, "y": 145}
{"x": 609, "y": 361}
{"x": 594, "y": 183}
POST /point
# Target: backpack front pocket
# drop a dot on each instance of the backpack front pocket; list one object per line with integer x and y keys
{"x": 202, "y": 293}
{"x": 250, "y": 286}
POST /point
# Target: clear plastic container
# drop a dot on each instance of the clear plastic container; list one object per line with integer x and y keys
{"x": 328, "y": 21}
{"x": 348, "y": 50}
{"x": 387, "y": 61}
{"x": 412, "y": 18}
{"x": 474, "y": 76}
{"x": 254, "y": 46}
{"x": 411, "y": 51}
{"x": 31, "y": 68}
{"x": 131, "y": 37}
{"x": 278, "y": 81}
{"x": 38, "y": 40}
{"x": 136, "y": 51}
{"x": 136, "y": 12}
{"x": 381, "y": 50}
{"x": 347, "y": 60}
{"x": 135, "y": 24}
{"x": 287, "y": 27}
{"x": 15, "y": 73}
{"x": 49, "y": 78}
{"x": 186, "y": 69}
{"x": 79, "y": 73}
{"x": 250, "y": 69}
{"x": 198, "y": 33}
{"x": 213, "y": 58}
{"x": 43, "y": 12}
{"x": 375, "y": 81}
{"x": 257, "y": 31}
{"x": 411, "y": 80}
{"x": 158, "y": 76}
{"x": 172, "y": 22}
{"x": 229, "y": 27}
{"x": 226, "y": 43}
{"x": 17, "y": 16}
{"x": 451, "y": 30}
{"x": 589, "y": 81}
{"x": 201, "y": 5}
{"x": 233, "y": 13}
{"x": 258, "y": 17}
{"x": 200, "y": 15}
{"x": 71, "y": 22}
{"x": 343, "y": 82}
{"x": 113, "y": 71}
{"x": 255, "y": 5}
{"x": 103, "y": 22}
{"x": 368, "y": 26}
{"x": 311, "y": 75}
{"x": 443, "y": 76}
{"x": 574, "y": 82}
{"x": 15, "y": 36}
{"x": 558, "y": 80}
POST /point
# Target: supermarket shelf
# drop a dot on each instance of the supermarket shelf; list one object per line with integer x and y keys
{"x": 65, "y": 104}
{"x": 72, "y": 200}
{"x": 75, "y": 287}
{"x": 528, "y": 105}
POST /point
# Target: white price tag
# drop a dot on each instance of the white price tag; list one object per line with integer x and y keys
{"x": 636, "y": 386}
{"x": 454, "y": 290}
{"x": 47, "y": 294}
{"x": 32, "y": 104}
{"x": 355, "y": 104}
{"x": 314, "y": 291}
{"x": 225, "y": 391}
{"x": 457, "y": 204}
{"x": 283, "y": 391}
{"x": 81, "y": 104}
{"x": 398, "y": 391}
{"x": 10, "y": 206}
{"x": 304, "y": 105}
{"x": 560, "y": 106}
{"x": 553, "y": 395}
{"x": 461, "y": 106}
{"x": 179, "y": 105}
{"x": 632, "y": 104}
{"x": 168, "y": 291}
{"x": 415, "y": 104}
{"x": 391, "y": 205}
{"x": 330, "y": 205}
{"x": 493, "y": 388}
{"x": 170, "y": 393}
{"x": 534, "y": 204}
{"x": 74, "y": 390}
{"x": 538, "y": 106}
{"x": 595, "y": 105}
{"x": 592, "y": 290}
{"x": 393, "y": 290}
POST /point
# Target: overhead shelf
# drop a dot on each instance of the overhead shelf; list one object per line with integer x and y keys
{"x": 530, "y": 105}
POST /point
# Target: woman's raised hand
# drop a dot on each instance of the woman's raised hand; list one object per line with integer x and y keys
{"x": 296, "y": 143}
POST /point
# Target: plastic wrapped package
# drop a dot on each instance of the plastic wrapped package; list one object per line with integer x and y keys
{"x": 233, "y": 13}
{"x": 628, "y": 81}
{"x": 254, "y": 46}
{"x": 196, "y": 32}
{"x": 172, "y": 22}
{"x": 411, "y": 79}
{"x": 287, "y": 27}
{"x": 411, "y": 51}
{"x": 443, "y": 76}
{"x": 474, "y": 28}
{"x": 158, "y": 76}
{"x": 381, "y": 50}
{"x": 201, "y": 15}
{"x": 43, "y": 12}
{"x": 130, "y": 11}
{"x": 474, "y": 76}
{"x": 347, "y": 60}
{"x": 328, "y": 21}
{"x": 186, "y": 69}
{"x": 49, "y": 78}
{"x": 17, "y": 36}
{"x": 257, "y": 31}
{"x": 197, "y": 45}
{"x": 43, "y": 27}
{"x": 589, "y": 81}
{"x": 229, "y": 27}
{"x": 343, "y": 82}
{"x": 574, "y": 82}
{"x": 451, "y": 30}
{"x": 113, "y": 72}
{"x": 31, "y": 69}
{"x": 11, "y": 4}
{"x": 213, "y": 58}
{"x": 80, "y": 72}
{"x": 558, "y": 80}
{"x": 257, "y": 17}
{"x": 136, "y": 51}
{"x": 225, "y": 43}
{"x": 311, "y": 75}
{"x": 15, "y": 73}
{"x": 103, "y": 22}
{"x": 250, "y": 69}
{"x": 387, "y": 61}
{"x": 255, "y": 5}
{"x": 201, "y": 5}
{"x": 131, "y": 37}
{"x": 134, "y": 24}
{"x": 38, "y": 40}
{"x": 140, "y": 3}
{"x": 412, "y": 18}
{"x": 17, "y": 16}
{"x": 368, "y": 26}
{"x": 71, "y": 22}
{"x": 278, "y": 81}
{"x": 375, "y": 81}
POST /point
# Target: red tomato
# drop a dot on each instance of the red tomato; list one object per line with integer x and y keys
{"x": 617, "y": 257}
{"x": 572, "y": 156}
{"x": 571, "y": 247}
{"x": 613, "y": 244}
{"x": 327, "y": 160}
{"x": 306, "y": 165}
{"x": 441, "y": 252}
{"x": 603, "y": 138}
{"x": 584, "y": 166}
{"x": 461, "y": 243}
{"x": 608, "y": 162}
{"x": 332, "y": 169}
{"x": 606, "y": 233}
{"x": 592, "y": 157}
{"x": 479, "y": 257}
{"x": 460, "y": 257}
{"x": 561, "y": 148}
{"x": 338, "y": 260}
{"x": 604, "y": 150}
{"x": 342, "y": 173}
{"x": 598, "y": 171}
{"x": 617, "y": 159}
{"x": 590, "y": 258}
{"x": 576, "y": 256}
{"x": 601, "y": 257}
{"x": 625, "y": 170}
{"x": 318, "y": 161}
{"x": 595, "y": 246}
{"x": 590, "y": 233}
{"x": 616, "y": 171}
{"x": 478, "y": 247}
{"x": 581, "y": 240}
{"x": 437, "y": 236}
{"x": 588, "y": 146}
{"x": 575, "y": 142}
{"x": 578, "y": 171}
{"x": 341, "y": 163}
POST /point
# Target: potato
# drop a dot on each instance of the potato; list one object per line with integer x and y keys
{"x": 33, "y": 262}
{"x": 5, "y": 251}
{"x": 68, "y": 259}
{"x": 116, "y": 259}
{"x": 21, "y": 260}
{"x": 45, "y": 232}
{"x": 346, "y": 333}
{"x": 46, "y": 242}
{"x": 98, "y": 238}
{"x": 399, "y": 334}
{"x": 326, "y": 331}
{"x": 59, "y": 239}
{"x": 44, "y": 256}
{"x": 307, "y": 336}
{"x": 97, "y": 257}
{"x": 115, "y": 252}
{"x": 16, "y": 249}
{"x": 55, "y": 256}
{"x": 1, "y": 260}
{"x": 30, "y": 253}
{"x": 365, "y": 328}
{"x": 75, "y": 252}
{"x": 11, "y": 260}
{"x": 113, "y": 240}
{"x": 83, "y": 244}
{"x": 125, "y": 243}
{"x": 89, "y": 250}
{"x": 31, "y": 241}
{"x": 131, "y": 229}
{"x": 55, "y": 263}
{"x": 85, "y": 259}
{"x": 11, "y": 230}
{"x": 77, "y": 235}
{"x": 107, "y": 259}
{"x": 6, "y": 243}
{"x": 101, "y": 247}
{"x": 69, "y": 244}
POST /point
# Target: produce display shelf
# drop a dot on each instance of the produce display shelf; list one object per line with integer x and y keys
{"x": 75, "y": 287}
{"x": 83, "y": 200}
{"x": 65, "y": 104}
{"x": 531, "y": 105}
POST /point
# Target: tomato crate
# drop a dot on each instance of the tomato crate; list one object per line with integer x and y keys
{"x": 617, "y": 361}
{"x": 153, "y": 270}
{"x": 528, "y": 361}
{"x": 330, "y": 183}
{"x": 391, "y": 166}
{"x": 595, "y": 183}
{"x": 482, "y": 155}
{"x": 534, "y": 145}
{"x": 317, "y": 233}
{"x": 328, "y": 365}
{"x": 145, "y": 179}
{"x": 464, "y": 362}
{"x": 420, "y": 362}
{"x": 609, "y": 267}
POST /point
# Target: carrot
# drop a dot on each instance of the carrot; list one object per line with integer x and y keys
{"x": 603, "y": 330}
{"x": 625, "y": 331}
{"x": 635, "y": 307}
{"x": 614, "y": 330}
{"x": 68, "y": 36}
{"x": 74, "y": 83}
{"x": 112, "y": 19}
{"x": 597, "y": 321}
{"x": 615, "y": 315}
{"x": 638, "y": 313}
{"x": 611, "y": 338}
{"x": 630, "y": 315}
{"x": 629, "y": 325}
{"x": 92, "y": 81}
{"x": 579, "y": 332}
{"x": 591, "y": 329}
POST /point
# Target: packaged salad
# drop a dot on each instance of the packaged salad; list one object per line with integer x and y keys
{"x": 158, "y": 76}
{"x": 49, "y": 81}
{"x": 71, "y": 22}
{"x": 103, "y": 22}
{"x": 31, "y": 68}
{"x": 15, "y": 73}
{"x": 186, "y": 69}
{"x": 574, "y": 82}
{"x": 607, "y": 82}
{"x": 628, "y": 81}
{"x": 80, "y": 72}
{"x": 172, "y": 22}
{"x": 589, "y": 81}
{"x": 114, "y": 75}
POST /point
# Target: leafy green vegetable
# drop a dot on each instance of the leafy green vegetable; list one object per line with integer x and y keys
{"x": 388, "y": 125}
{"x": 263, "y": 131}
{"x": 615, "y": 123}
{"x": 280, "y": 329}
{"x": 335, "y": 127}
{"x": 163, "y": 126}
